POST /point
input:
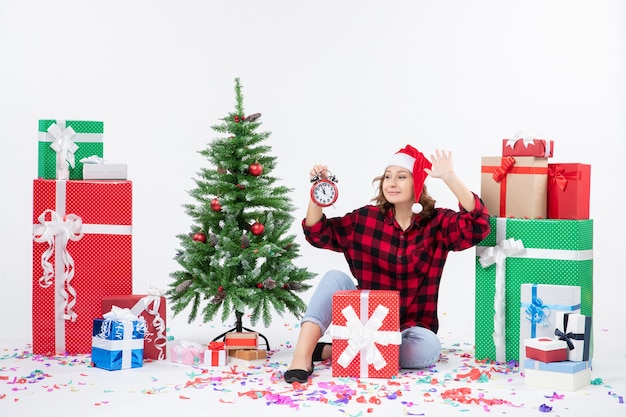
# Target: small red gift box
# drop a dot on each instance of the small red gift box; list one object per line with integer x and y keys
{"x": 569, "y": 187}
{"x": 152, "y": 309}
{"x": 241, "y": 340}
{"x": 82, "y": 252}
{"x": 515, "y": 186}
{"x": 527, "y": 147}
{"x": 366, "y": 333}
{"x": 545, "y": 349}
{"x": 215, "y": 354}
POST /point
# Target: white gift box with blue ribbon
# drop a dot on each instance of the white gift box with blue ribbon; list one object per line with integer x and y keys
{"x": 538, "y": 311}
{"x": 118, "y": 340}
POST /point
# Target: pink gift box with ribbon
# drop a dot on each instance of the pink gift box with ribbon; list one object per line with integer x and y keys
{"x": 150, "y": 307}
{"x": 366, "y": 333}
{"x": 187, "y": 352}
{"x": 82, "y": 252}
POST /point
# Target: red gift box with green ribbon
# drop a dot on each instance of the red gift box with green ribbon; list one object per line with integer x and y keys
{"x": 569, "y": 187}
{"x": 82, "y": 252}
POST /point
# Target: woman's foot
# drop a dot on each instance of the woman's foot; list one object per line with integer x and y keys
{"x": 298, "y": 375}
{"x": 323, "y": 351}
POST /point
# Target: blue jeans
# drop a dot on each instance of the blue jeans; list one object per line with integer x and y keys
{"x": 420, "y": 347}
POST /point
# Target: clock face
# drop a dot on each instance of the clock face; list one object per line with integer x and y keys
{"x": 324, "y": 193}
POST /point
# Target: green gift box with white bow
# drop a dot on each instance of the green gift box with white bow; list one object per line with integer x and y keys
{"x": 526, "y": 251}
{"x": 67, "y": 141}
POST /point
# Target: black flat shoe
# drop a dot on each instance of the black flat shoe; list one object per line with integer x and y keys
{"x": 317, "y": 352}
{"x": 298, "y": 375}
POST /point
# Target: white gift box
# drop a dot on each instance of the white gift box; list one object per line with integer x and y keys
{"x": 557, "y": 376}
{"x": 105, "y": 171}
{"x": 538, "y": 311}
{"x": 575, "y": 329}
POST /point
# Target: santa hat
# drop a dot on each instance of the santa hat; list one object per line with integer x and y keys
{"x": 414, "y": 161}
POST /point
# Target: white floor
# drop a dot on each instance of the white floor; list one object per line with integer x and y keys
{"x": 69, "y": 386}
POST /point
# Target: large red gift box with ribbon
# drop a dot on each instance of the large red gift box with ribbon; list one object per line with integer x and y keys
{"x": 82, "y": 252}
{"x": 152, "y": 309}
{"x": 366, "y": 333}
{"x": 569, "y": 187}
{"x": 515, "y": 186}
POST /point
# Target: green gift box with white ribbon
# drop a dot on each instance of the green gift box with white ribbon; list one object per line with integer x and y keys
{"x": 63, "y": 143}
{"x": 526, "y": 251}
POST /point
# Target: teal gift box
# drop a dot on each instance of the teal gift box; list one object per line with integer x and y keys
{"x": 526, "y": 251}
{"x": 117, "y": 344}
{"x": 87, "y": 136}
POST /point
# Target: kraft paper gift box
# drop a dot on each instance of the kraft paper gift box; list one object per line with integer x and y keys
{"x": 569, "y": 189}
{"x": 241, "y": 340}
{"x": 539, "y": 308}
{"x": 67, "y": 140}
{"x": 152, "y": 308}
{"x": 187, "y": 352}
{"x": 215, "y": 354}
{"x": 536, "y": 147}
{"x": 521, "y": 251}
{"x": 366, "y": 333}
{"x": 515, "y": 186}
{"x": 546, "y": 349}
{"x": 248, "y": 354}
{"x": 575, "y": 330}
{"x": 557, "y": 376}
{"x": 82, "y": 252}
{"x": 117, "y": 341}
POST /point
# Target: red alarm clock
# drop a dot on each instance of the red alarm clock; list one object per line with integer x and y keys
{"x": 324, "y": 192}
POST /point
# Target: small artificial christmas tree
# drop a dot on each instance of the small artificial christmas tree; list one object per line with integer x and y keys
{"x": 238, "y": 255}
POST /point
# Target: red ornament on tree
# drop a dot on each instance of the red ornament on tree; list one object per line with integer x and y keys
{"x": 199, "y": 237}
{"x": 255, "y": 169}
{"x": 259, "y": 285}
{"x": 215, "y": 205}
{"x": 257, "y": 229}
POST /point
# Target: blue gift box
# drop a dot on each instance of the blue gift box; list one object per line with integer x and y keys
{"x": 117, "y": 344}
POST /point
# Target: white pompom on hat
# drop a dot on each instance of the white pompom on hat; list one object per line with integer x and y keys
{"x": 414, "y": 161}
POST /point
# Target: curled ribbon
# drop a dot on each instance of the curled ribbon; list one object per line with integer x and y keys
{"x": 525, "y": 137}
{"x": 63, "y": 145}
{"x": 537, "y": 312}
{"x": 151, "y": 304}
{"x": 362, "y": 338}
{"x": 57, "y": 232}
{"x": 497, "y": 255}
{"x": 505, "y": 166}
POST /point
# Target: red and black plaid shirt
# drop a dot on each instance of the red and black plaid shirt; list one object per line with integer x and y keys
{"x": 383, "y": 256}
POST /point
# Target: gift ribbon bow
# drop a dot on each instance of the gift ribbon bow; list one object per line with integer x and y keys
{"x": 63, "y": 144}
{"x": 497, "y": 255}
{"x": 557, "y": 176}
{"x": 216, "y": 346}
{"x": 63, "y": 229}
{"x": 567, "y": 337}
{"x": 506, "y": 164}
{"x": 362, "y": 338}
{"x": 526, "y": 138}
{"x": 131, "y": 329}
{"x": 537, "y": 312}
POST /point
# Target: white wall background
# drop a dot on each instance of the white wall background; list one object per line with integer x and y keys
{"x": 345, "y": 83}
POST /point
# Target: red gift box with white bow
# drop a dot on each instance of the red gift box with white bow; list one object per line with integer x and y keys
{"x": 82, "y": 252}
{"x": 366, "y": 333}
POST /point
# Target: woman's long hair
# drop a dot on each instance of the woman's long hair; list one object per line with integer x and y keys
{"x": 427, "y": 202}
